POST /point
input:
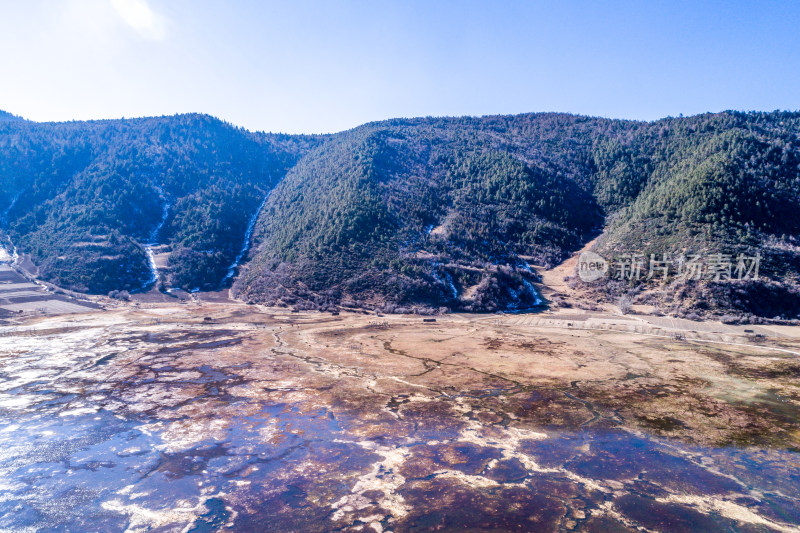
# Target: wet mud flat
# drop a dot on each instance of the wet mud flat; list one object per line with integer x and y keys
{"x": 229, "y": 417}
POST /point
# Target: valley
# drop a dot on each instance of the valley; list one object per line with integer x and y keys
{"x": 399, "y": 267}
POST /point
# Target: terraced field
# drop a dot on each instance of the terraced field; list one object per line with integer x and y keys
{"x": 20, "y": 296}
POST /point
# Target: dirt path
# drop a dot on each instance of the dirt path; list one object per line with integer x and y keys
{"x": 553, "y": 282}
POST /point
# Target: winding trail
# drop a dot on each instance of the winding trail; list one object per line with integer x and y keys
{"x": 553, "y": 280}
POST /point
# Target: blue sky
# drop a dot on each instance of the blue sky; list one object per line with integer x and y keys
{"x": 321, "y": 66}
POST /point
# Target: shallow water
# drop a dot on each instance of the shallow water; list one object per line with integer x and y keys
{"x": 130, "y": 432}
{"x": 80, "y": 471}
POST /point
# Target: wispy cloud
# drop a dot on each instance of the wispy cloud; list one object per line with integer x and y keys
{"x": 138, "y": 15}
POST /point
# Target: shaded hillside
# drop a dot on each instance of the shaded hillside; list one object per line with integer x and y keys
{"x": 82, "y": 197}
{"x": 447, "y": 213}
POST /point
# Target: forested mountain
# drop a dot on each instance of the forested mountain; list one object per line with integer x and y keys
{"x": 82, "y": 197}
{"x": 425, "y": 214}
{"x": 6, "y": 116}
{"x": 416, "y": 213}
{"x": 724, "y": 185}
{"x": 429, "y": 213}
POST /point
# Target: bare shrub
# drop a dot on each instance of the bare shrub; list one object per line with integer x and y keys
{"x": 625, "y": 303}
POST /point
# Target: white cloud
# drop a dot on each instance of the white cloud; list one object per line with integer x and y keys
{"x": 139, "y": 16}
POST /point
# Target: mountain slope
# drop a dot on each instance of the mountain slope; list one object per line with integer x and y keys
{"x": 418, "y": 214}
{"x": 430, "y": 213}
{"x": 81, "y": 198}
{"x": 425, "y": 214}
{"x": 720, "y": 184}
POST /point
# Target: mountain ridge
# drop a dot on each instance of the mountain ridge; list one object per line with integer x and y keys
{"x": 427, "y": 214}
{"x": 5, "y": 116}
